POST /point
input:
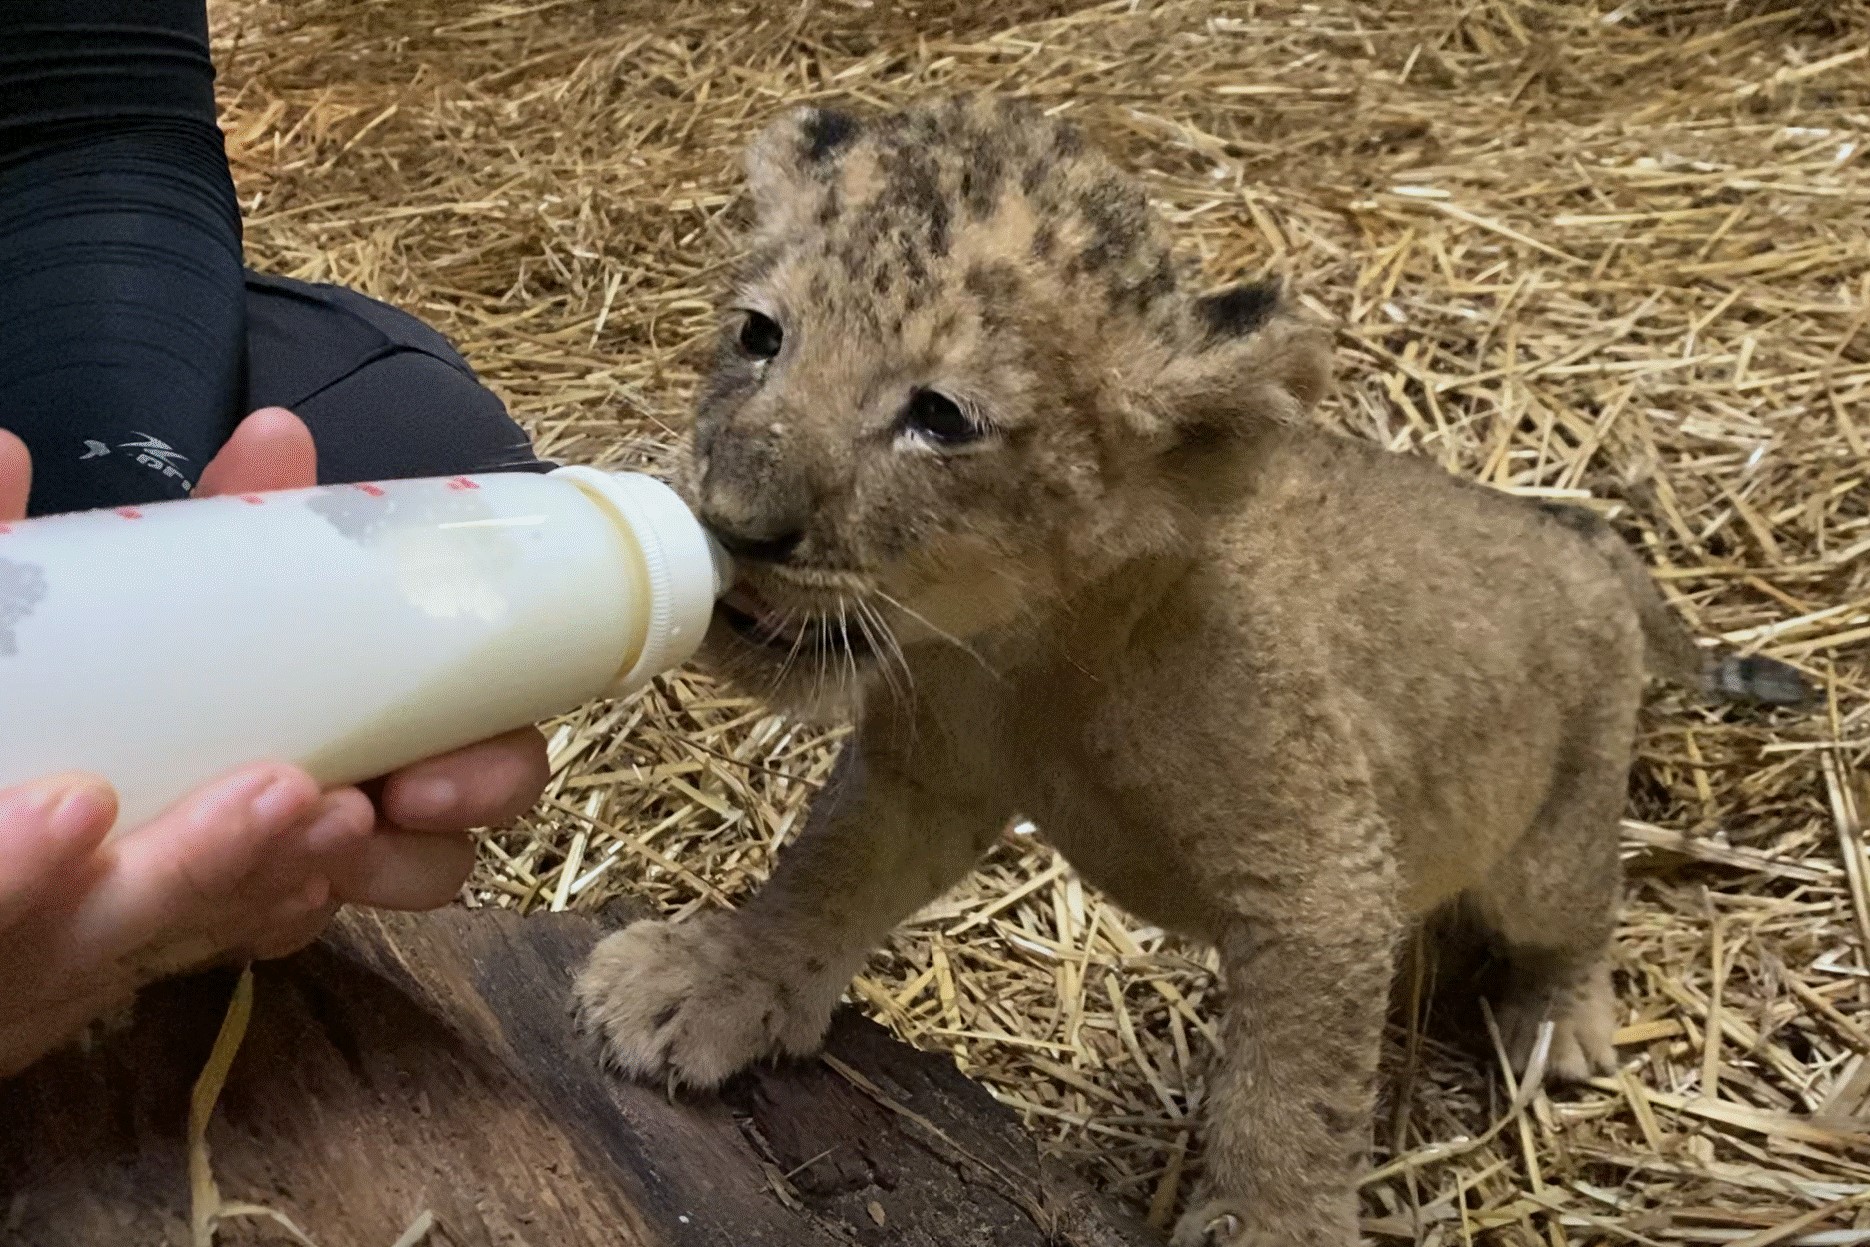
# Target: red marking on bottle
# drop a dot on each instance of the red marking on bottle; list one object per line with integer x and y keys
{"x": 129, "y": 513}
{"x": 5, "y": 529}
{"x": 462, "y": 482}
{"x": 373, "y": 490}
{"x": 253, "y": 500}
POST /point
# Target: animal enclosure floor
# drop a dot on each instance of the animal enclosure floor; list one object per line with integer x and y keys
{"x": 1611, "y": 252}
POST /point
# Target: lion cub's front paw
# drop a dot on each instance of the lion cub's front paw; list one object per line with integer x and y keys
{"x": 1211, "y": 1223}
{"x": 1223, "y": 1223}
{"x": 1229, "y": 1223}
{"x": 694, "y": 1004}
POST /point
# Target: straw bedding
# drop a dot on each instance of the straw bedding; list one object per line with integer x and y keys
{"x": 1614, "y": 252}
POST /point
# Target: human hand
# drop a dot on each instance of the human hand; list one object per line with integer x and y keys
{"x": 234, "y": 870}
{"x": 239, "y": 868}
{"x": 251, "y": 865}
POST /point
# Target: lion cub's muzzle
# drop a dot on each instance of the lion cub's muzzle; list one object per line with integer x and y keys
{"x": 756, "y": 621}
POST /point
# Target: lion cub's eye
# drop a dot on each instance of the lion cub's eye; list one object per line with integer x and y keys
{"x": 940, "y": 419}
{"x": 761, "y": 336}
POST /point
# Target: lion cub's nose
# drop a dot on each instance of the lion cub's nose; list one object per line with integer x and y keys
{"x": 752, "y": 542}
{"x": 752, "y": 499}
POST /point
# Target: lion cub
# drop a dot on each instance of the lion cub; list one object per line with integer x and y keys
{"x": 1061, "y": 533}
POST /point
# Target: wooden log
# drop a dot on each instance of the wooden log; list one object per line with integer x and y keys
{"x": 411, "y": 1064}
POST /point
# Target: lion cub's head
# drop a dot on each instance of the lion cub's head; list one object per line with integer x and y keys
{"x": 959, "y": 378}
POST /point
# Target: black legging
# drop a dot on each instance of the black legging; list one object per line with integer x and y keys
{"x": 131, "y": 339}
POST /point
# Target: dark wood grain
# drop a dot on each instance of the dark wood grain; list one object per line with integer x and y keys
{"x": 429, "y": 1063}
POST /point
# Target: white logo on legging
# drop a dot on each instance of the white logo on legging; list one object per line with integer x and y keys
{"x": 153, "y": 452}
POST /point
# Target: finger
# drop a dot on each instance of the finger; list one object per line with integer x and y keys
{"x": 47, "y": 828}
{"x": 272, "y": 449}
{"x": 37, "y": 1032}
{"x": 277, "y": 929}
{"x": 345, "y": 817}
{"x": 290, "y": 933}
{"x": 179, "y": 871}
{"x": 15, "y": 477}
{"x": 485, "y": 784}
{"x": 403, "y": 870}
{"x": 294, "y": 877}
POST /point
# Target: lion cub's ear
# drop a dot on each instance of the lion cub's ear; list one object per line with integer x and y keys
{"x": 1251, "y": 359}
{"x": 793, "y": 162}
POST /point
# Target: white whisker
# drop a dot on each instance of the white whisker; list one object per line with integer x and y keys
{"x": 870, "y": 643}
{"x": 949, "y": 637}
{"x": 889, "y": 652}
{"x": 798, "y": 639}
{"x": 820, "y": 667}
{"x": 844, "y": 643}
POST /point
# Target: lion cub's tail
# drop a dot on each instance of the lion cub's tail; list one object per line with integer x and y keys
{"x": 1670, "y": 649}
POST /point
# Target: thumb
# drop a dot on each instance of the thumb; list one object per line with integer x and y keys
{"x": 272, "y": 449}
{"x": 15, "y": 477}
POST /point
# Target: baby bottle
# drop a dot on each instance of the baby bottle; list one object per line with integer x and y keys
{"x": 348, "y": 629}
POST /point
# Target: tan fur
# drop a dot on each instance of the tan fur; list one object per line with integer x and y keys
{"x": 1264, "y": 685}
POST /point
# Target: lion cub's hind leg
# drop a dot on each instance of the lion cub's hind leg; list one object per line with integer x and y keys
{"x": 1549, "y": 908}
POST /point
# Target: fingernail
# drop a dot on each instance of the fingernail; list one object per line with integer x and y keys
{"x": 335, "y": 826}
{"x": 279, "y": 804}
{"x": 428, "y": 798}
{"x": 81, "y": 809}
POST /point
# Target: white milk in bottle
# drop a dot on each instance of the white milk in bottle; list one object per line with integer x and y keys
{"x": 348, "y": 629}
